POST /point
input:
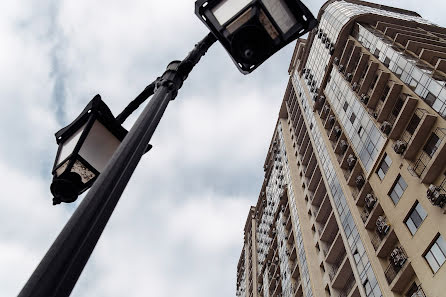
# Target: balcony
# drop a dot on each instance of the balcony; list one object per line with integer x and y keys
{"x": 335, "y": 250}
{"x": 342, "y": 273}
{"x": 330, "y": 230}
{"x": 363, "y": 63}
{"x": 389, "y": 102}
{"x": 319, "y": 194}
{"x": 354, "y": 173}
{"x": 308, "y": 154}
{"x": 436, "y": 165}
{"x": 372, "y": 216}
{"x": 418, "y": 292}
{"x": 377, "y": 91}
{"x": 399, "y": 278}
{"x": 347, "y": 52}
{"x": 360, "y": 197}
{"x": 295, "y": 273}
{"x": 368, "y": 79}
{"x": 350, "y": 288}
{"x": 353, "y": 59}
{"x": 403, "y": 118}
{"x": 420, "y": 135}
{"x": 324, "y": 211}
{"x": 315, "y": 179}
{"x": 297, "y": 289}
{"x": 383, "y": 245}
{"x": 311, "y": 165}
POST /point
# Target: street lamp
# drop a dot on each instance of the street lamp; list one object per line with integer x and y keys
{"x": 85, "y": 147}
{"x": 253, "y": 30}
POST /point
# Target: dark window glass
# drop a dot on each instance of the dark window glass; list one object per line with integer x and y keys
{"x": 436, "y": 254}
{"x": 398, "y": 189}
{"x": 413, "y": 124}
{"x": 430, "y": 98}
{"x": 384, "y": 166}
{"x": 432, "y": 145}
{"x": 345, "y": 106}
{"x": 353, "y": 118}
{"x": 385, "y": 93}
{"x": 415, "y": 218}
{"x": 399, "y": 104}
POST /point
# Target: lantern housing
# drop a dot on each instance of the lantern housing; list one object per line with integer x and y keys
{"x": 253, "y": 30}
{"x": 85, "y": 147}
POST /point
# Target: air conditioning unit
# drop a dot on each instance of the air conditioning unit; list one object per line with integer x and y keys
{"x": 315, "y": 97}
{"x": 312, "y": 89}
{"x": 435, "y": 196}
{"x": 337, "y": 131}
{"x": 375, "y": 115}
{"x": 365, "y": 98}
{"x": 386, "y": 127}
{"x": 319, "y": 34}
{"x": 359, "y": 181}
{"x": 306, "y": 75}
{"x": 325, "y": 111}
{"x": 331, "y": 120}
{"x": 322, "y": 99}
{"x": 327, "y": 43}
{"x": 370, "y": 201}
{"x": 399, "y": 147}
{"x": 382, "y": 227}
{"x": 355, "y": 86}
{"x": 341, "y": 68}
{"x": 336, "y": 61}
{"x": 324, "y": 37}
{"x": 344, "y": 146}
{"x": 349, "y": 77}
{"x": 351, "y": 161}
{"x": 397, "y": 257}
{"x": 332, "y": 49}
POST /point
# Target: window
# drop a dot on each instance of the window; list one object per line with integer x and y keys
{"x": 415, "y": 218}
{"x": 436, "y": 254}
{"x": 352, "y": 118}
{"x": 398, "y": 189}
{"x": 345, "y": 107}
{"x": 413, "y": 124}
{"x": 432, "y": 145}
{"x": 384, "y": 166}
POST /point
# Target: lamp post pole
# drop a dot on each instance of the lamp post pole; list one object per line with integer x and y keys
{"x": 59, "y": 270}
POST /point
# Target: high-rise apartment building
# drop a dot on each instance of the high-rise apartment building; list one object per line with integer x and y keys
{"x": 352, "y": 203}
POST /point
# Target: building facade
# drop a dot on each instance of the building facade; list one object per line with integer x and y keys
{"x": 353, "y": 199}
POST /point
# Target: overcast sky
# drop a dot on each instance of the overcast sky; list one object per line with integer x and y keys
{"x": 178, "y": 228}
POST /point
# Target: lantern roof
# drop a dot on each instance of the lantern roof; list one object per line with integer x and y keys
{"x": 101, "y": 112}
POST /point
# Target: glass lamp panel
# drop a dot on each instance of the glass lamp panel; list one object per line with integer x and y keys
{"x": 69, "y": 145}
{"x": 79, "y": 168}
{"x": 226, "y": 9}
{"x": 99, "y": 146}
{"x": 281, "y": 13}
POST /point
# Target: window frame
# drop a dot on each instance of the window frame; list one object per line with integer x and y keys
{"x": 409, "y": 216}
{"x": 383, "y": 160}
{"x": 434, "y": 242}
{"x": 395, "y": 183}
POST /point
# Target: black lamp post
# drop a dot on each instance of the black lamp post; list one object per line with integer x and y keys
{"x": 240, "y": 30}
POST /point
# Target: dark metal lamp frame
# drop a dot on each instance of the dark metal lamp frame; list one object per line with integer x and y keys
{"x": 305, "y": 22}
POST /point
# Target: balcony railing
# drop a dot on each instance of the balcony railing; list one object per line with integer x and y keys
{"x": 348, "y": 287}
{"x": 392, "y": 270}
{"x": 420, "y": 164}
{"x": 418, "y": 293}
